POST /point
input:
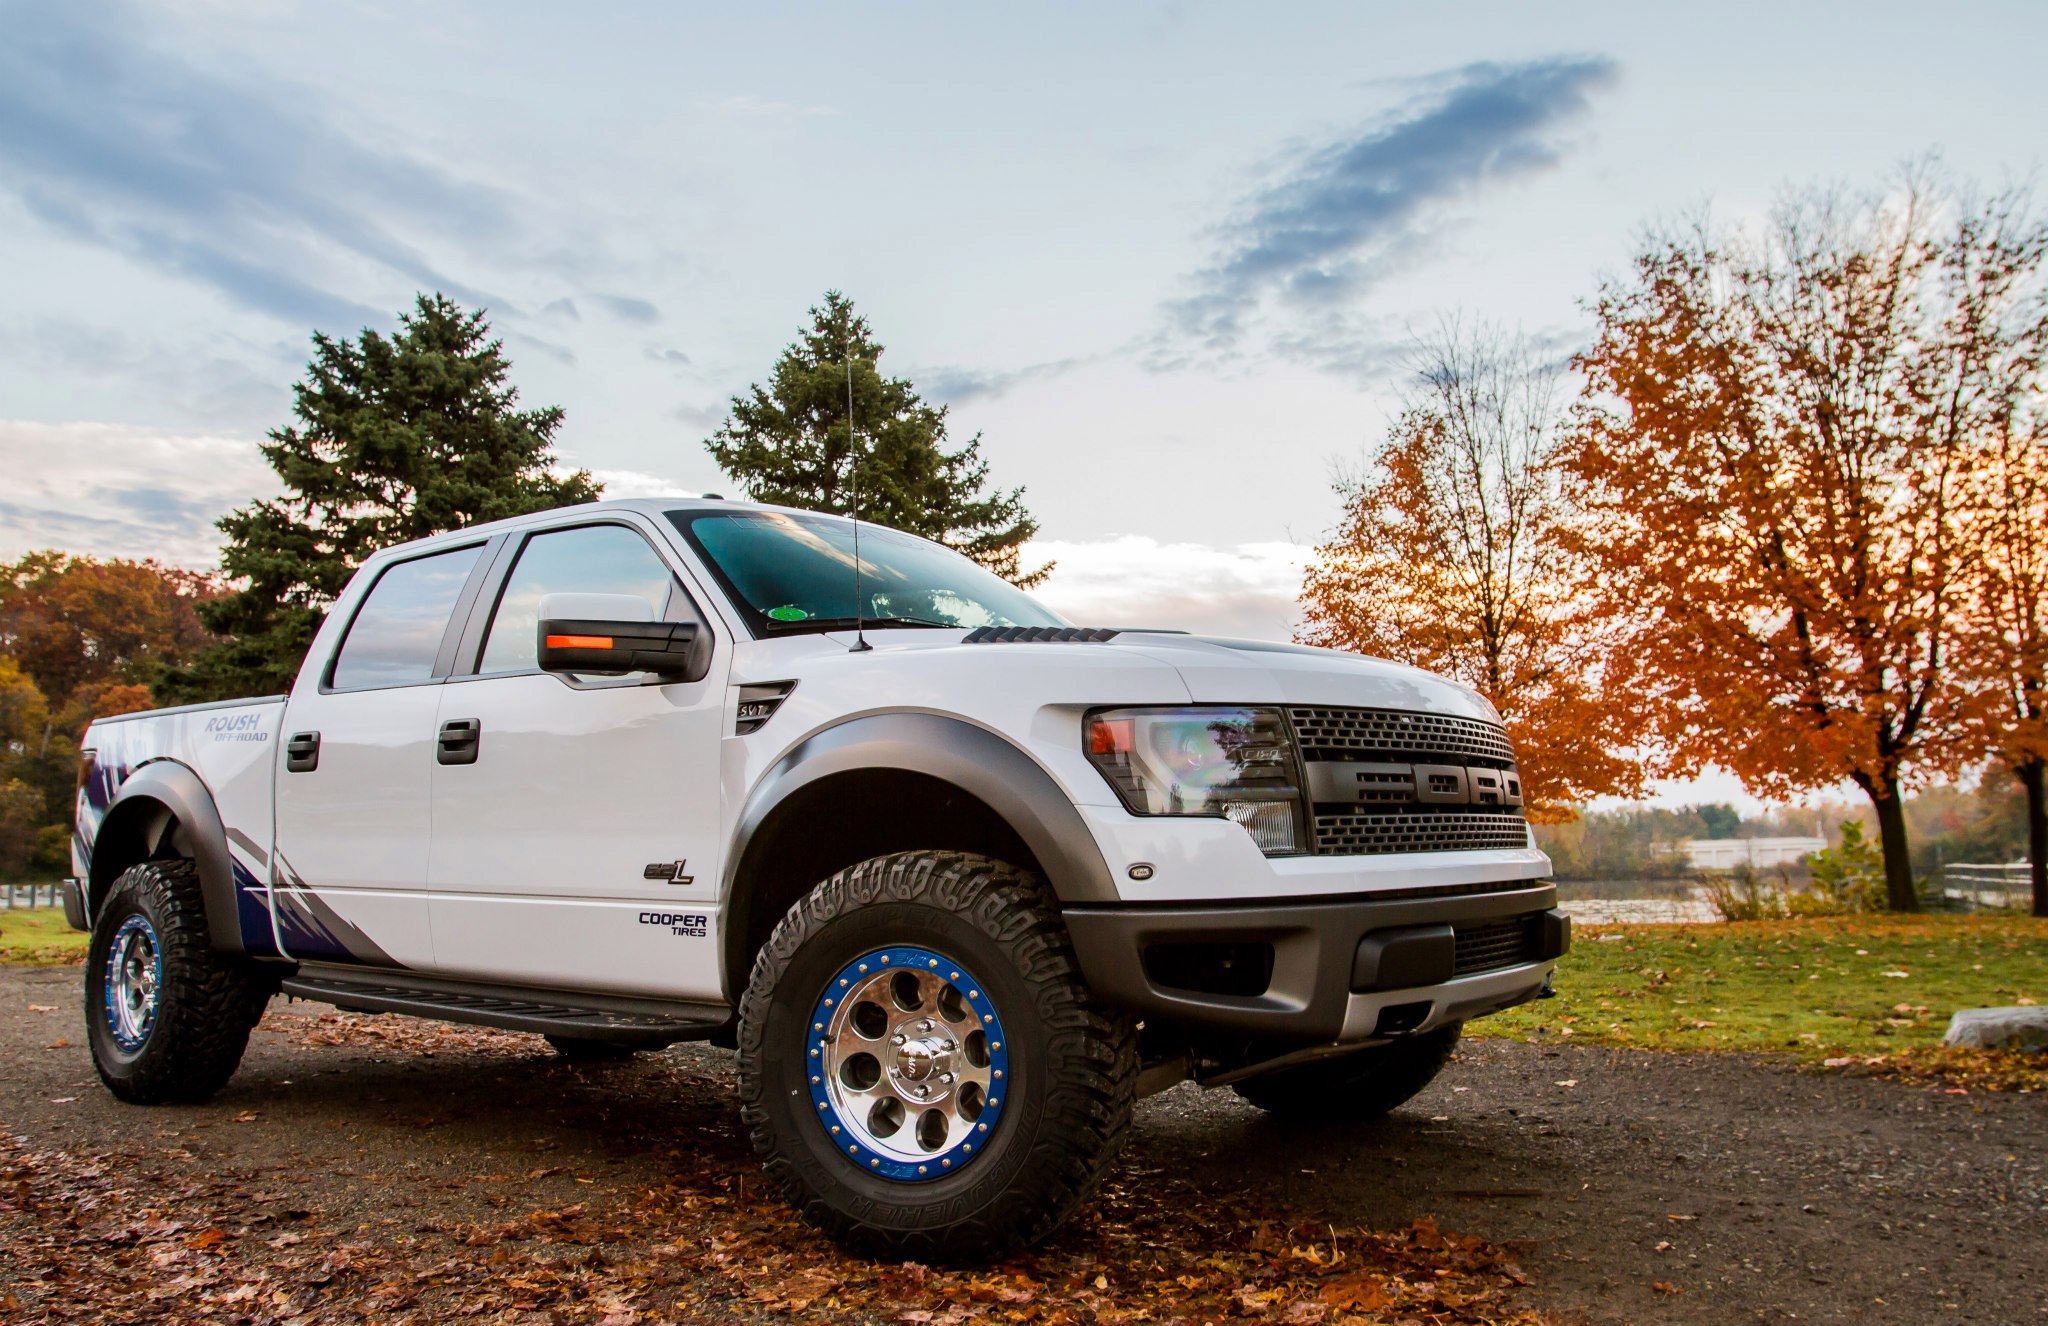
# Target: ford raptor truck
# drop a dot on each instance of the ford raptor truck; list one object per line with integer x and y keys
{"x": 959, "y": 881}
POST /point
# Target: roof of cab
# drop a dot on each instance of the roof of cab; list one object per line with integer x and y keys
{"x": 647, "y": 506}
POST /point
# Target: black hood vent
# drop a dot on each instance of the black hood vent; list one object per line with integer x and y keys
{"x": 1038, "y": 635}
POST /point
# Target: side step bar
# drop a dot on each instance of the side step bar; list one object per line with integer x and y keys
{"x": 643, "y": 1023}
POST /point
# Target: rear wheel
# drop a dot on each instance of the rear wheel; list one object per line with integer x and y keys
{"x": 1357, "y": 1087}
{"x": 921, "y": 1067}
{"x": 167, "y": 1018}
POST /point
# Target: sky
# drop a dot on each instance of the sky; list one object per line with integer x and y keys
{"x": 1168, "y": 261}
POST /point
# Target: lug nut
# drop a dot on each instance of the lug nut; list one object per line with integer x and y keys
{"x": 947, "y": 1078}
{"x": 898, "y": 1039}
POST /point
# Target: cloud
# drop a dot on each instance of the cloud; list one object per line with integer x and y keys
{"x": 628, "y": 308}
{"x": 562, "y": 308}
{"x": 1247, "y": 591}
{"x": 1357, "y": 210}
{"x": 952, "y": 385}
{"x": 115, "y": 491}
{"x": 213, "y": 176}
{"x": 668, "y": 356}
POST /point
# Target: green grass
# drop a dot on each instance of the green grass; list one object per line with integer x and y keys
{"x": 39, "y": 937}
{"x": 1818, "y": 988}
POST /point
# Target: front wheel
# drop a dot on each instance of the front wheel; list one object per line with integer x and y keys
{"x": 167, "y": 1018}
{"x": 922, "y": 1069}
{"x": 1357, "y": 1087}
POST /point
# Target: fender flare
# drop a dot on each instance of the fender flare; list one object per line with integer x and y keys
{"x": 163, "y": 797}
{"x": 971, "y": 758}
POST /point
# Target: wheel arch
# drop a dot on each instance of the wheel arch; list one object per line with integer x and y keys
{"x": 164, "y": 809}
{"x": 888, "y": 783}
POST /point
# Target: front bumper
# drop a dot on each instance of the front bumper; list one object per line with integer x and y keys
{"x": 1359, "y": 969}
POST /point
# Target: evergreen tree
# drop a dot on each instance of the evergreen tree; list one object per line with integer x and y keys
{"x": 397, "y": 438}
{"x": 789, "y": 443}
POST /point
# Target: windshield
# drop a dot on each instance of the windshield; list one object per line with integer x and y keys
{"x": 789, "y": 571}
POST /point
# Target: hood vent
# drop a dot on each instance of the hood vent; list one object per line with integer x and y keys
{"x": 1036, "y": 635}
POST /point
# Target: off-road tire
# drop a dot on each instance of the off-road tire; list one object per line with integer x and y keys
{"x": 1358, "y": 1087}
{"x": 1074, "y": 1064}
{"x": 207, "y": 1002}
{"x": 584, "y": 1050}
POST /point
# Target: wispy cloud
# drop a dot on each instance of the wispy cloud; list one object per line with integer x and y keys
{"x": 1353, "y": 211}
{"x": 115, "y": 491}
{"x": 628, "y": 308}
{"x": 952, "y": 384}
{"x": 219, "y": 179}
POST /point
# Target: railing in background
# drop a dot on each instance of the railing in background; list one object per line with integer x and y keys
{"x": 1965, "y": 887}
{"x": 31, "y": 895}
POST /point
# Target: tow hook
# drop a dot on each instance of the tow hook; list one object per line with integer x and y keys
{"x": 1549, "y": 990}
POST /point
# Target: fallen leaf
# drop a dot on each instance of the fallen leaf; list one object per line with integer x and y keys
{"x": 1665, "y": 1287}
{"x": 1568, "y": 1082}
{"x": 42, "y": 1008}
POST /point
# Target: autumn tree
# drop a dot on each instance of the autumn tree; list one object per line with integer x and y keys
{"x": 397, "y": 437}
{"x": 76, "y": 623}
{"x": 1775, "y": 453}
{"x": 1455, "y": 554}
{"x": 2003, "y": 651}
{"x": 790, "y": 443}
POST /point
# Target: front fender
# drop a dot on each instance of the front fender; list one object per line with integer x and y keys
{"x": 971, "y": 758}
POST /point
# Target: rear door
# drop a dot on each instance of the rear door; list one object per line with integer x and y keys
{"x": 355, "y": 780}
{"x": 576, "y": 819}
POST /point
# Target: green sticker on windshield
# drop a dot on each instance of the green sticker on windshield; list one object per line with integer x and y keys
{"x": 788, "y": 614}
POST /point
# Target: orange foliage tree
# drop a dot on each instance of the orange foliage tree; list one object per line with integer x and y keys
{"x": 1454, "y": 554}
{"x": 76, "y": 622}
{"x": 2003, "y": 651}
{"x": 1778, "y": 451}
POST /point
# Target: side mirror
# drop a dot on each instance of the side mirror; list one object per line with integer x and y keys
{"x": 611, "y": 633}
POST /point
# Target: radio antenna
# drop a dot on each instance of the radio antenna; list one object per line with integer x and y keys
{"x": 860, "y": 633}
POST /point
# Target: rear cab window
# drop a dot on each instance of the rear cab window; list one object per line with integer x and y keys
{"x": 397, "y": 632}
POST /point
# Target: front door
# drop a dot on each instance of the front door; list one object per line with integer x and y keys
{"x": 576, "y": 824}
{"x": 354, "y": 783}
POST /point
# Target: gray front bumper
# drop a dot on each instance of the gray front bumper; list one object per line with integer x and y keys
{"x": 1318, "y": 990}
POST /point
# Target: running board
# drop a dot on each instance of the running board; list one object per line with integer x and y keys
{"x": 644, "y": 1023}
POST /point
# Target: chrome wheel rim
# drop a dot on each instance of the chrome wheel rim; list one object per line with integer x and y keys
{"x": 135, "y": 973}
{"x": 909, "y": 1064}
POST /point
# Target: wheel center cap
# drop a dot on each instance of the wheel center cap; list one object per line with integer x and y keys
{"x": 918, "y": 1060}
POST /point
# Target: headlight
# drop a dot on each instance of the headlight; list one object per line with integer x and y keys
{"x": 1233, "y": 763}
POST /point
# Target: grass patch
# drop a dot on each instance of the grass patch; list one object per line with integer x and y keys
{"x": 1869, "y": 992}
{"x": 40, "y": 937}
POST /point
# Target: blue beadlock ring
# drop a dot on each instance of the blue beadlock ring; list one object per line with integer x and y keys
{"x": 940, "y": 1164}
{"x": 115, "y": 983}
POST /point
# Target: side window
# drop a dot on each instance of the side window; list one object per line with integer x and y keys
{"x": 397, "y": 632}
{"x": 592, "y": 559}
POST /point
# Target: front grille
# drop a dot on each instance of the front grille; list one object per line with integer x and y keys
{"x": 1491, "y": 945}
{"x": 1419, "y": 831}
{"x": 1350, "y": 734}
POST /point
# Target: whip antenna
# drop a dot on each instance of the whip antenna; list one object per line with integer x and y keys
{"x": 860, "y": 633}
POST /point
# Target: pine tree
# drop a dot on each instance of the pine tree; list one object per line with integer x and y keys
{"x": 789, "y": 444}
{"x": 397, "y": 438}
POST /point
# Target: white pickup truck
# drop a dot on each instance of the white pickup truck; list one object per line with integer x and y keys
{"x": 959, "y": 880}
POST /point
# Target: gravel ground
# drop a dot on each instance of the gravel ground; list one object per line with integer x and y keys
{"x": 1641, "y": 1188}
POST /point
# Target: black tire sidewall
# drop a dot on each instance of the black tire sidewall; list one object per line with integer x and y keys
{"x": 133, "y": 894}
{"x": 980, "y": 1189}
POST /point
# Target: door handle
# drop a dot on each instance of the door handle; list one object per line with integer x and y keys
{"x": 302, "y": 752}
{"x": 460, "y": 738}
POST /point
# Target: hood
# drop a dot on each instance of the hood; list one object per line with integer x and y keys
{"x": 1227, "y": 671}
{"x": 1133, "y": 667}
